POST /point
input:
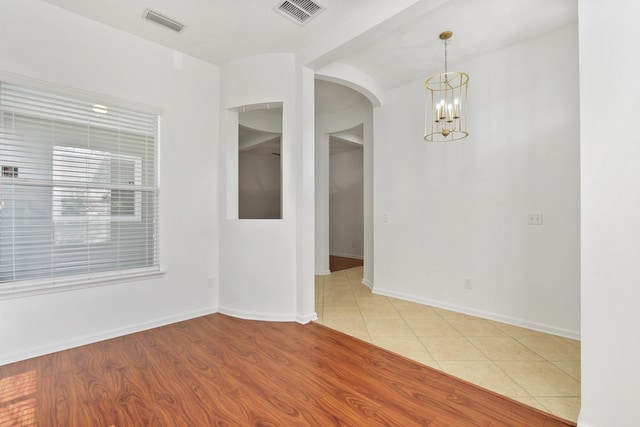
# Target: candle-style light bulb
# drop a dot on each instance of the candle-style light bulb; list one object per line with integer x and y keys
{"x": 456, "y": 108}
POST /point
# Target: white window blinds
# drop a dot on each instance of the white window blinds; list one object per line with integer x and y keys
{"x": 78, "y": 189}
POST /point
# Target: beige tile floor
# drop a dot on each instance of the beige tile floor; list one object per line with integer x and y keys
{"x": 537, "y": 369}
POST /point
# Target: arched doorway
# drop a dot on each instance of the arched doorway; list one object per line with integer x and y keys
{"x": 343, "y": 114}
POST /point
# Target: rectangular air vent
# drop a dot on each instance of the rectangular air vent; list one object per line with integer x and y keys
{"x": 150, "y": 15}
{"x": 300, "y": 11}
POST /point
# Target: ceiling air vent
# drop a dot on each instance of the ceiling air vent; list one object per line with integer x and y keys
{"x": 300, "y": 11}
{"x": 150, "y": 15}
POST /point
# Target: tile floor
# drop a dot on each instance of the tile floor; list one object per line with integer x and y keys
{"x": 537, "y": 369}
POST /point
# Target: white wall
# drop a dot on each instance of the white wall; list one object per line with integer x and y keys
{"x": 459, "y": 211}
{"x": 259, "y": 185}
{"x": 262, "y": 263}
{"x": 346, "y": 198}
{"x": 43, "y": 42}
{"x": 609, "y": 70}
{"x": 305, "y": 193}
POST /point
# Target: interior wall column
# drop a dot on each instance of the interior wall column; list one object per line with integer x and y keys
{"x": 322, "y": 204}
{"x": 304, "y": 153}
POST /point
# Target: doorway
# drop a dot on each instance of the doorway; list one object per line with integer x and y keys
{"x": 342, "y": 115}
{"x": 346, "y": 200}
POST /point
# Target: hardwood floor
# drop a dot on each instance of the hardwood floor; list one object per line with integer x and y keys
{"x": 337, "y": 263}
{"x": 221, "y": 371}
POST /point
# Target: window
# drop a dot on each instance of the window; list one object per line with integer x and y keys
{"x": 78, "y": 190}
{"x": 93, "y": 188}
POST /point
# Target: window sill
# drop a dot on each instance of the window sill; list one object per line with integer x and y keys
{"x": 38, "y": 287}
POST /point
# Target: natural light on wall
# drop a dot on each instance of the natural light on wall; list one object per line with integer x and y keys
{"x": 445, "y": 103}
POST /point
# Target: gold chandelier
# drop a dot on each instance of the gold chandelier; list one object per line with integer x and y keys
{"x": 445, "y": 103}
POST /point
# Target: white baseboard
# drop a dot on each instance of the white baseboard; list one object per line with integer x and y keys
{"x": 323, "y": 272}
{"x": 89, "y": 339}
{"x": 484, "y": 314}
{"x": 254, "y": 315}
{"x": 268, "y": 317}
{"x": 367, "y": 283}
{"x": 307, "y": 318}
{"x": 344, "y": 255}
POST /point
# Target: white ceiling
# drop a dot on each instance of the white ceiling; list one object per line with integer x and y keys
{"x": 414, "y": 50}
{"x": 334, "y": 97}
{"x": 340, "y": 146}
{"x": 394, "y": 41}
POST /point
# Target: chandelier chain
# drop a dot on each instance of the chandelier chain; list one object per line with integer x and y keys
{"x": 446, "y": 43}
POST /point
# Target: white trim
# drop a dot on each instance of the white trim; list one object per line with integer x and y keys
{"x": 254, "y": 315}
{"x": 343, "y": 255}
{"x": 113, "y": 333}
{"x": 323, "y": 273}
{"x": 307, "y": 318}
{"x": 541, "y": 327}
{"x": 12, "y": 290}
{"x": 367, "y": 283}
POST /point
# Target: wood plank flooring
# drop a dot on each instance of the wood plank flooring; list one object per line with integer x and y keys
{"x": 221, "y": 371}
{"x": 337, "y": 263}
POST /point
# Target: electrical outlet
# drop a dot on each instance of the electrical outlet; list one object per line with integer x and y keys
{"x": 211, "y": 282}
{"x": 535, "y": 218}
{"x": 468, "y": 284}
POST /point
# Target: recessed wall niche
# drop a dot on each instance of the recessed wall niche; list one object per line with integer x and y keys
{"x": 259, "y": 165}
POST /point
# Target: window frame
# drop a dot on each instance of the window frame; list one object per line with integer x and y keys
{"x": 61, "y": 283}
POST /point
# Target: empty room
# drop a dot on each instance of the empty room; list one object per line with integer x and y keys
{"x": 176, "y": 177}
